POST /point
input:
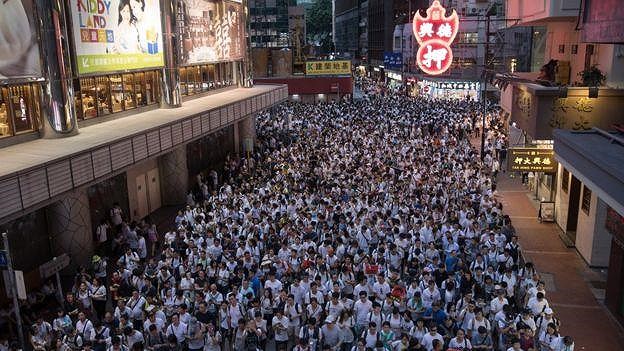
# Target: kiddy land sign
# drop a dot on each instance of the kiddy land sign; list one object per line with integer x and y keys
{"x": 434, "y": 34}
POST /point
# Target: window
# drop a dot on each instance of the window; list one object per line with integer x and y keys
{"x": 565, "y": 180}
{"x": 574, "y": 49}
{"x": 561, "y": 49}
{"x": 586, "y": 200}
{"x": 103, "y": 95}
{"x": 19, "y": 109}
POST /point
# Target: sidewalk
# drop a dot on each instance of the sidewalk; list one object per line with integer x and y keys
{"x": 566, "y": 275}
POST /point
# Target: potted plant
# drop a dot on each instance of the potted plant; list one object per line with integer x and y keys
{"x": 592, "y": 77}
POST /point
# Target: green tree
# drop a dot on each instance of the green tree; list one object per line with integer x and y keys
{"x": 319, "y": 24}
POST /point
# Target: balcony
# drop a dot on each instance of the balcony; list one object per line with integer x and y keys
{"x": 535, "y": 12}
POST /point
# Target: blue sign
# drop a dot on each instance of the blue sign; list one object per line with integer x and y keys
{"x": 393, "y": 60}
{"x": 3, "y": 259}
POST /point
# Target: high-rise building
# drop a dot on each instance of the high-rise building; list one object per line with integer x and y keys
{"x": 269, "y": 23}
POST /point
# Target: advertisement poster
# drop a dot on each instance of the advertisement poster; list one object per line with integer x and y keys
{"x": 115, "y": 35}
{"x": 282, "y": 63}
{"x": 210, "y": 31}
{"x": 19, "y": 51}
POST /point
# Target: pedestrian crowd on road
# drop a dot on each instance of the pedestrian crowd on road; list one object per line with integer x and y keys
{"x": 355, "y": 225}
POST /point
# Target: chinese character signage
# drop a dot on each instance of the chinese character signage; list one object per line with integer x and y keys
{"x": 434, "y": 34}
{"x": 532, "y": 160}
{"x": 19, "y": 50}
{"x": 393, "y": 60}
{"x": 114, "y": 35}
{"x": 210, "y": 30}
{"x": 317, "y": 68}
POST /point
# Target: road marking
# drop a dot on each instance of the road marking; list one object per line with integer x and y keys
{"x": 565, "y": 305}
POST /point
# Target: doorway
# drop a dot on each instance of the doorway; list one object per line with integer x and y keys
{"x": 573, "y": 208}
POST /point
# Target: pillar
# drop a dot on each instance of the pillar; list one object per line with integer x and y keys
{"x": 171, "y": 96}
{"x": 237, "y": 139}
{"x": 174, "y": 177}
{"x": 247, "y": 133}
{"x": 246, "y": 71}
{"x": 69, "y": 226}
{"x": 59, "y": 117}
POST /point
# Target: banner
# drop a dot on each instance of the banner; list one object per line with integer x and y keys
{"x": 19, "y": 50}
{"x": 522, "y": 159}
{"x": 115, "y": 35}
{"x": 282, "y": 63}
{"x": 316, "y": 68}
{"x": 210, "y": 31}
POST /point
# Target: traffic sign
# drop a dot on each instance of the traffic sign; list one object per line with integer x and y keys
{"x": 49, "y": 268}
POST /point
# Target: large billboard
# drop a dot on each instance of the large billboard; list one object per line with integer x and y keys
{"x": 210, "y": 31}
{"x": 19, "y": 51}
{"x": 316, "y": 68}
{"x": 116, "y": 35}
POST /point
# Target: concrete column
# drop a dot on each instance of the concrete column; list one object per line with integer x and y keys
{"x": 247, "y": 133}
{"x": 58, "y": 93}
{"x": 174, "y": 177}
{"x": 237, "y": 139}
{"x": 171, "y": 96}
{"x": 246, "y": 71}
{"x": 69, "y": 226}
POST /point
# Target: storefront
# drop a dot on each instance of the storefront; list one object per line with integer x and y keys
{"x": 199, "y": 79}
{"x": 394, "y": 79}
{"x": 20, "y": 108}
{"x": 20, "y": 71}
{"x": 447, "y": 89}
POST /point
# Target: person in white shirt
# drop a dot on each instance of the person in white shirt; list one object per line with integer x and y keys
{"x": 280, "y": 325}
{"x": 538, "y": 304}
{"x": 460, "y": 341}
{"x": 427, "y": 340}
{"x": 84, "y": 326}
{"x": 177, "y": 328}
{"x": 362, "y": 307}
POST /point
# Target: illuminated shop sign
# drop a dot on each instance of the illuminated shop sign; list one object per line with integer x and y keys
{"x": 532, "y": 160}
{"x": 447, "y": 84}
{"x": 434, "y": 34}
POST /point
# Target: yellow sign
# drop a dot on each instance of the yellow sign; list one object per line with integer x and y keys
{"x": 317, "y": 68}
{"x": 532, "y": 160}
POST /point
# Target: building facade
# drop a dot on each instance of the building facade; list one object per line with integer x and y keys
{"x": 116, "y": 116}
{"x": 269, "y": 23}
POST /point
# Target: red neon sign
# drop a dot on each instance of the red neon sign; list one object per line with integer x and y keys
{"x": 435, "y": 33}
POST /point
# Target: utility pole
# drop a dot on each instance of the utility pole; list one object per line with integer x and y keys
{"x": 485, "y": 79}
{"x": 13, "y": 286}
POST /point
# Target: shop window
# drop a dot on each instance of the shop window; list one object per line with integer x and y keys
{"x": 103, "y": 95}
{"x": 5, "y": 113}
{"x": 128, "y": 92}
{"x": 565, "y": 180}
{"x": 19, "y": 109}
{"x": 586, "y": 200}
{"x": 212, "y": 76}
{"x": 103, "y": 88}
{"x": 183, "y": 87}
{"x": 117, "y": 95}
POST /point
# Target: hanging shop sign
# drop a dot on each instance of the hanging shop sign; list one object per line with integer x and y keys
{"x": 115, "y": 35}
{"x": 522, "y": 159}
{"x": 434, "y": 34}
{"x": 317, "y": 68}
{"x": 19, "y": 49}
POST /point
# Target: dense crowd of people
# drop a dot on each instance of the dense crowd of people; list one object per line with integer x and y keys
{"x": 366, "y": 225}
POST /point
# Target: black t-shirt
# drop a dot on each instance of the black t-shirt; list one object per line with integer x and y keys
{"x": 202, "y": 317}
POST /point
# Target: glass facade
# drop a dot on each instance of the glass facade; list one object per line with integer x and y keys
{"x": 202, "y": 78}
{"x": 103, "y": 95}
{"x": 20, "y": 109}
